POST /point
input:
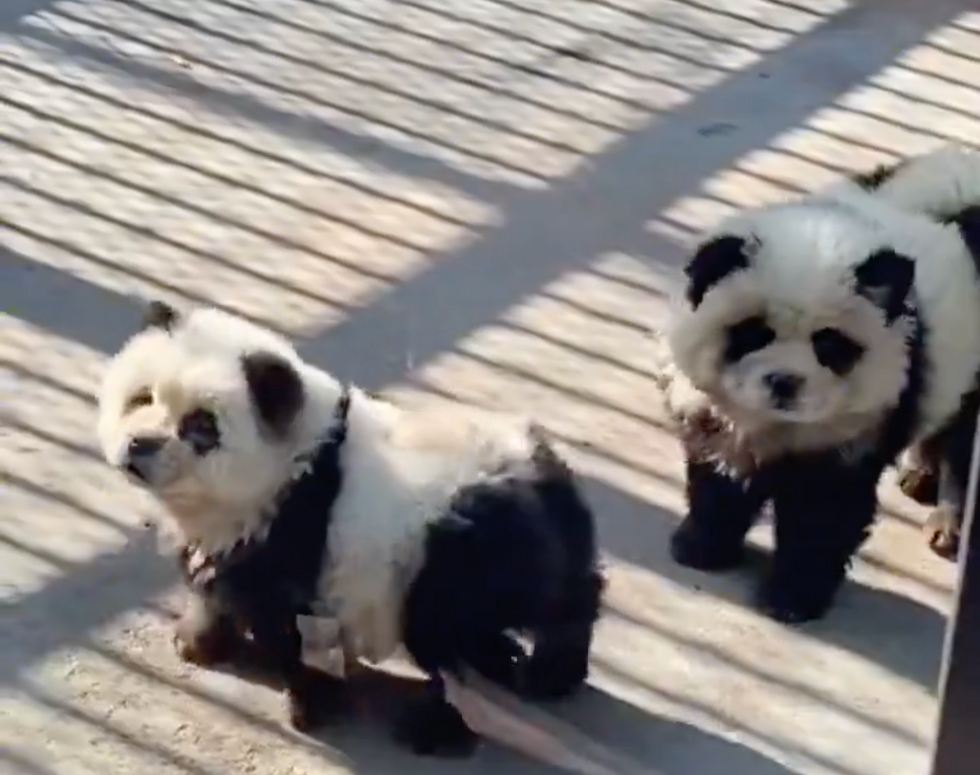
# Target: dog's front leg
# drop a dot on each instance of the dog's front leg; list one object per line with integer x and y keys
{"x": 204, "y": 635}
{"x": 309, "y": 693}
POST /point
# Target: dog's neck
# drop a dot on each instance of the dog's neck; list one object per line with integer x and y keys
{"x": 281, "y": 566}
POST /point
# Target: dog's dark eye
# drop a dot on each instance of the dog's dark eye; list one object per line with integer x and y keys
{"x": 200, "y": 429}
{"x": 746, "y": 337}
{"x": 835, "y": 350}
{"x": 138, "y": 399}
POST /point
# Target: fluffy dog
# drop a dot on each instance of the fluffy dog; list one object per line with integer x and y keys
{"x": 944, "y": 185}
{"x": 815, "y": 341}
{"x": 444, "y": 532}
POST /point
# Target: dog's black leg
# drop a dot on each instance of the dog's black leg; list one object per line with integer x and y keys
{"x": 722, "y": 506}
{"x": 945, "y": 521}
{"x": 433, "y": 727}
{"x": 824, "y": 511}
{"x": 441, "y": 638}
{"x": 559, "y": 664}
{"x": 204, "y": 635}
{"x": 310, "y": 695}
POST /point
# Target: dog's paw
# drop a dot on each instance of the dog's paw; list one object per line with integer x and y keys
{"x": 435, "y": 728}
{"x": 203, "y": 636}
{"x": 943, "y": 532}
{"x": 301, "y": 712}
{"x": 205, "y": 648}
{"x": 918, "y": 483}
{"x": 789, "y": 606}
{"x": 553, "y": 680}
{"x": 322, "y": 699}
{"x": 694, "y": 549}
{"x": 790, "y": 613}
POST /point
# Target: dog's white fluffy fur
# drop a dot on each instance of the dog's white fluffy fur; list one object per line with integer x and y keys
{"x": 400, "y": 467}
{"x": 938, "y": 184}
{"x": 800, "y": 275}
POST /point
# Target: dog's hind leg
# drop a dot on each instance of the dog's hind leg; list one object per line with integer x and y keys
{"x": 559, "y": 663}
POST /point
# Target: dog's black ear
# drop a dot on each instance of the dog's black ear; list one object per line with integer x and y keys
{"x": 276, "y": 389}
{"x": 886, "y": 277}
{"x": 712, "y": 263}
{"x": 877, "y": 177}
{"x": 159, "y": 314}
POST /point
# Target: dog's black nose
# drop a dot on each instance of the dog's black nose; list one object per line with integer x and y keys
{"x": 140, "y": 453}
{"x": 143, "y": 447}
{"x": 783, "y": 387}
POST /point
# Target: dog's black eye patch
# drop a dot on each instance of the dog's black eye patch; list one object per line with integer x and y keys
{"x": 200, "y": 429}
{"x": 139, "y": 398}
{"x": 835, "y": 350}
{"x": 747, "y": 336}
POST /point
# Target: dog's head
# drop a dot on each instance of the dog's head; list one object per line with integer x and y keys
{"x": 795, "y": 315}
{"x": 200, "y": 408}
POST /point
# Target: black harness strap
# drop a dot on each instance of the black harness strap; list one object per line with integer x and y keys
{"x": 279, "y": 572}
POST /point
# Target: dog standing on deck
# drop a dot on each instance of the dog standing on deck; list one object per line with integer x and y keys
{"x": 290, "y": 494}
{"x": 815, "y": 341}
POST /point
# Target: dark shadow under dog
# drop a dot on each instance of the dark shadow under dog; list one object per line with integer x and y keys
{"x": 377, "y": 699}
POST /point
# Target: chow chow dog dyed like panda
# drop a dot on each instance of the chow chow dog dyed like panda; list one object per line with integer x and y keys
{"x": 442, "y": 531}
{"x": 945, "y": 185}
{"x": 815, "y": 341}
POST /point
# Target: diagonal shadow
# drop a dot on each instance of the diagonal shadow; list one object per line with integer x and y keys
{"x": 544, "y": 54}
{"x": 41, "y": 622}
{"x": 484, "y": 83}
{"x": 302, "y": 127}
{"x": 12, "y": 11}
{"x": 549, "y": 233}
{"x": 25, "y": 273}
{"x": 252, "y": 148}
{"x": 446, "y": 106}
{"x": 664, "y": 746}
{"x": 28, "y": 288}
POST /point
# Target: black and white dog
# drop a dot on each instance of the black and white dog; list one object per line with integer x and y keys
{"x": 816, "y": 340}
{"x": 943, "y": 185}
{"x": 447, "y": 532}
